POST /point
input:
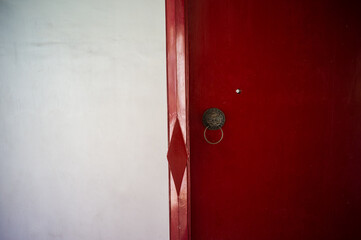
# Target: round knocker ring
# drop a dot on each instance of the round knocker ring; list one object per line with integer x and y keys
{"x": 205, "y": 136}
{"x": 213, "y": 119}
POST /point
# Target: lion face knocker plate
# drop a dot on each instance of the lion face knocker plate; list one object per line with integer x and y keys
{"x": 213, "y": 118}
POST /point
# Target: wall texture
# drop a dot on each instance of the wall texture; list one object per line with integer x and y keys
{"x": 83, "y": 120}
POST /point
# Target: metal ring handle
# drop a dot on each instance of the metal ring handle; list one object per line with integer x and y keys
{"x": 205, "y": 137}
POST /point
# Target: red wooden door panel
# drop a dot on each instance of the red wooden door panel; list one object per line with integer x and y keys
{"x": 289, "y": 166}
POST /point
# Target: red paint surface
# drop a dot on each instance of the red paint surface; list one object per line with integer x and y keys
{"x": 177, "y": 156}
{"x": 289, "y": 166}
{"x": 178, "y": 151}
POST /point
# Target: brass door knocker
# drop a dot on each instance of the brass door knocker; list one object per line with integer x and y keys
{"x": 213, "y": 119}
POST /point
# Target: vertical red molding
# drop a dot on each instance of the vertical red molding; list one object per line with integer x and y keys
{"x": 177, "y": 82}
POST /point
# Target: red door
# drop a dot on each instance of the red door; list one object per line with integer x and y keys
{"x": 289, "y": 164}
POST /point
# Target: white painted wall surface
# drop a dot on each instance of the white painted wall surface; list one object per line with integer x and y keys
{"x": 83, "y": 120}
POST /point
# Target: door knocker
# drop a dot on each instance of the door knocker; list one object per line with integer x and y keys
{"x": 213, "y": 119}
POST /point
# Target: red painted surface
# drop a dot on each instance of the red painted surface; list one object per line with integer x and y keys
{"x": 289, "y": 166}
{"x": 177, "y": 156}
{"x": 178, "y": 137}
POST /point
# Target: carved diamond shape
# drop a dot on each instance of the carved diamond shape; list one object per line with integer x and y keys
{"x": 177, "y": 156}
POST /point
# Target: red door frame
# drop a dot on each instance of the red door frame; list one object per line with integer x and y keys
{"x": 178, "y": 127}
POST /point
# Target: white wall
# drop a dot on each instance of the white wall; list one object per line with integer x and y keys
{"x": 83, "y": 120}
